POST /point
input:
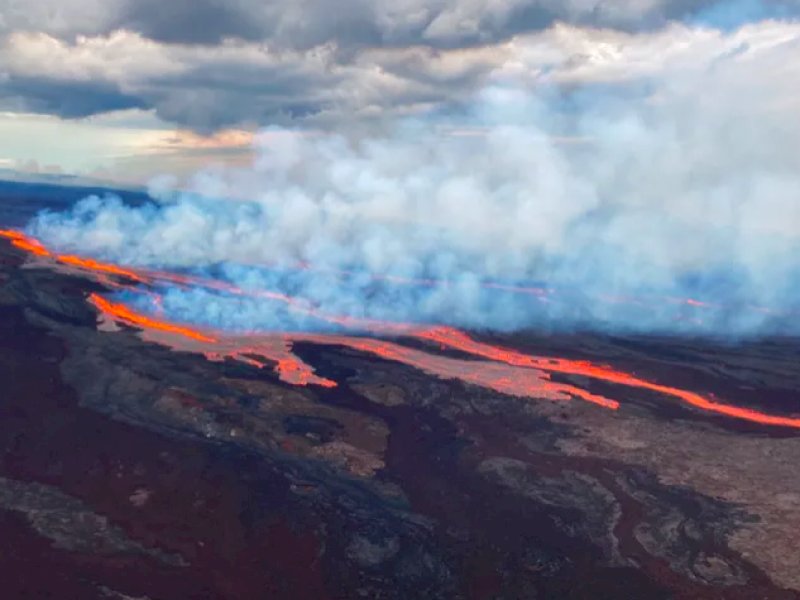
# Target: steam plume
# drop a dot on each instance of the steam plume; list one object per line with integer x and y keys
{"x": 669, "y": 205}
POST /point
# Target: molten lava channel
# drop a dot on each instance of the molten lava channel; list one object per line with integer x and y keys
{"x": 123, "y": 313}
{"x": 499, "y": 369}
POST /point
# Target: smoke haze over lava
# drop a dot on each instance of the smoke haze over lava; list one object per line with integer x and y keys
{"x": 501, "y": 369}
{"x": 670, "y": 205}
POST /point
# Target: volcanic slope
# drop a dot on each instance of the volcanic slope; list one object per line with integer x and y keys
{"x": 424, "y": 465}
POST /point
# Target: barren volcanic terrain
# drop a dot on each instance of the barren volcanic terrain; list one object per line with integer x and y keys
{"x": 144, "y": 458}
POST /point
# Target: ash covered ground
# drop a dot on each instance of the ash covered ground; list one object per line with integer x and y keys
{"x": 134, "y": 469}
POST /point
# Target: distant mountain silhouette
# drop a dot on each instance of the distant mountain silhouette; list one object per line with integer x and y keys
{"x": 21, "y": 200}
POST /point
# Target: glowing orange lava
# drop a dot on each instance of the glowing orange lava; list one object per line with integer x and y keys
{"x": 259, "y": 350}
{"x": 456, "y": 339}
{"x": 93, "y": 265}
{"x": 100, "y": 270}
{"x": 29, "y": 244}
{"x": 504, "y": 378}
{"x": 125, "y": 314}
{"x": 503, "y": 370}
{"x": 528, "y": 378}
{"x": 299, "y": 373}
{"x": 23, "y": 242}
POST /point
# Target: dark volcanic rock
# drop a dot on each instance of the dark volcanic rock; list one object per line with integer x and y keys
{"x": 132, "y": 471}
{"x": 70, "y": 524}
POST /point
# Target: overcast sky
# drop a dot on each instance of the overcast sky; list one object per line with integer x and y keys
{"x": 127, "y": 89}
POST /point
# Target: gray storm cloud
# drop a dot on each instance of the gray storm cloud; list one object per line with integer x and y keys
{"x": 308, "y": 23}
{"x": 624, "y": 200}
{"x": 209, "y": 64}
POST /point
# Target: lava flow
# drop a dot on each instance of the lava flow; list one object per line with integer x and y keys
{"x": 148, "y": 277}
{"x": 500, "y": 369}
{"x": 506, "y": 371}
{"x": 453, "y": 338}
{"x": 34, "y": 246}
{"x": 123, "y": 313}
{"x": 23, "y": 242}
{"x": 259, "y": 350}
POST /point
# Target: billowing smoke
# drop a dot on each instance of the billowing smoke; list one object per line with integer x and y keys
{"x": 624, "y": 201}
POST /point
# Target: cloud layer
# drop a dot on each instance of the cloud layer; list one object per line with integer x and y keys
{"x": 208, "y": 64}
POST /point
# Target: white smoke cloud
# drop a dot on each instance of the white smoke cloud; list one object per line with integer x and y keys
{"x": 684, "y": 182}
